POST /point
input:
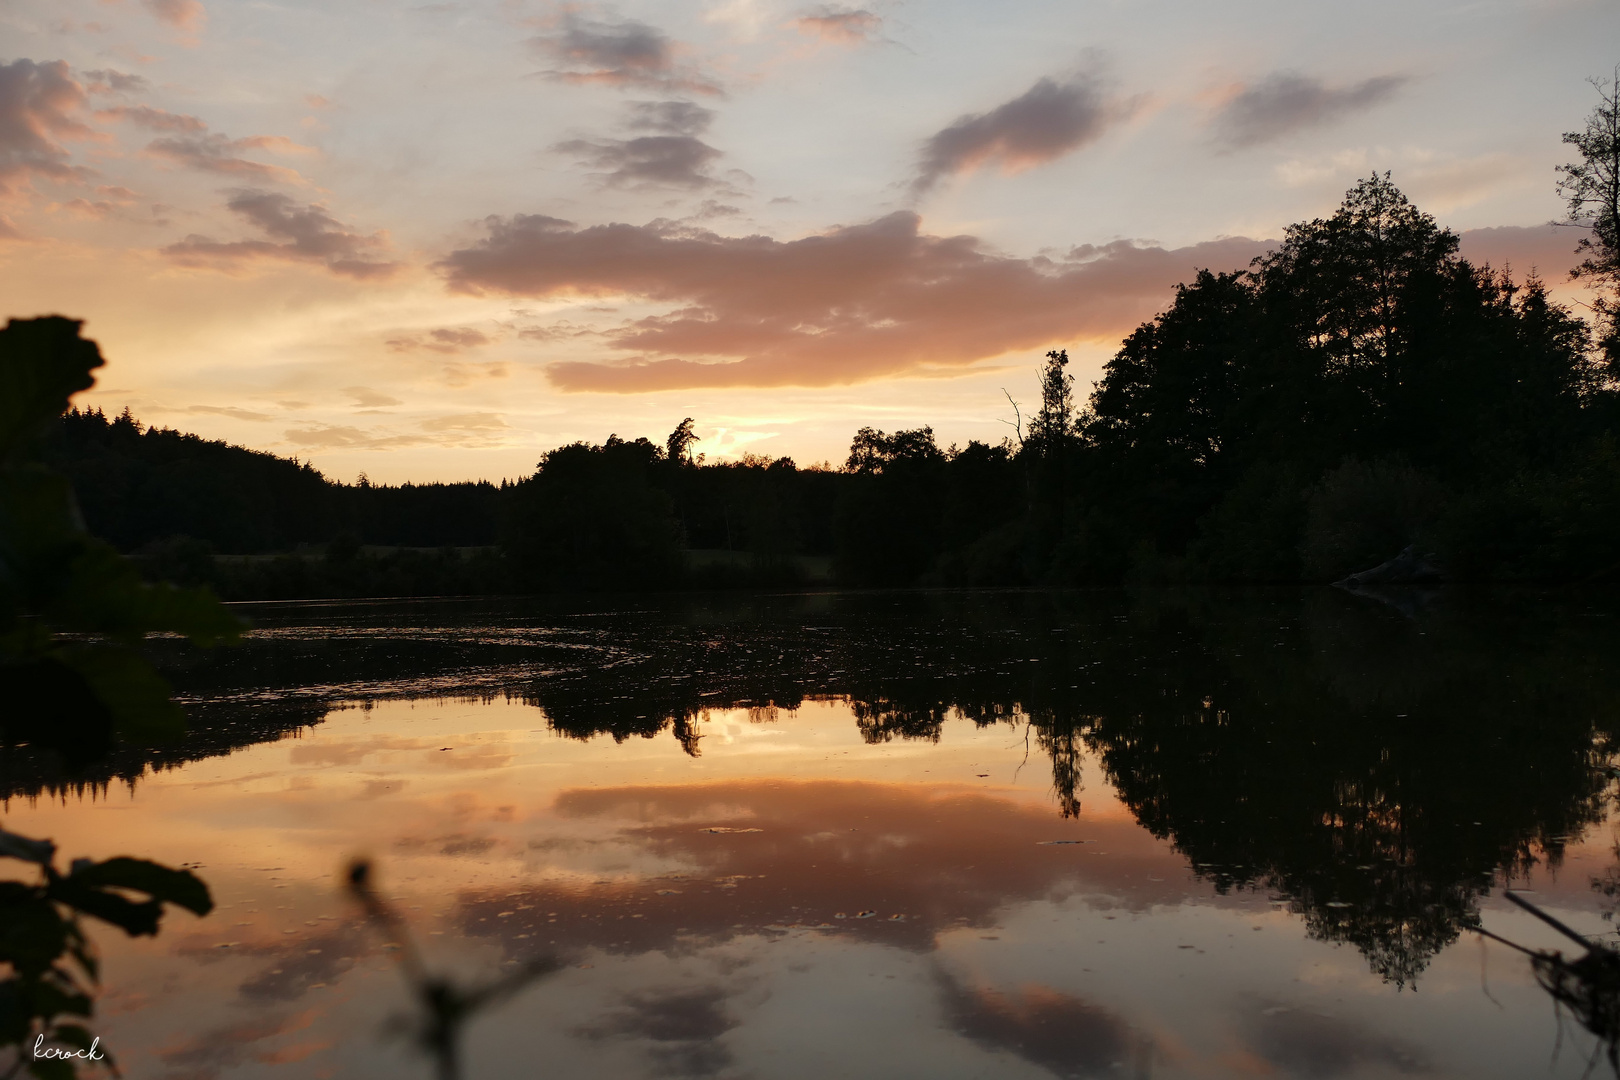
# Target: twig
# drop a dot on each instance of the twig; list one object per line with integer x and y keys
{"x": 1584, "y": 942}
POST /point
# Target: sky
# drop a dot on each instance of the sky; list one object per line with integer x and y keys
{"x": 433, "y": 241}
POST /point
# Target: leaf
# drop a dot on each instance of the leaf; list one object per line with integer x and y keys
{"x": 37, "y": 512}
{"x": 135, "y": 918}
{"x": 43, "y": 362}
{"x": 32, "y": 932}
{"x": 21, "y": 847}
{"x": 51, "y": 706}
{"x": 52, "y": 1069}
{"x": 80, "y": 1038}
{"x": 179, "y": 887}
{"x": 135, "y": 695}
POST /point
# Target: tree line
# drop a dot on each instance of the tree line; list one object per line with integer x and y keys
{"x": 1361, "y": 390}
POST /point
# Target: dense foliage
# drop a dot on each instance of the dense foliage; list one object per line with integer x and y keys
{"x": 1357, "y": 391}
{"x": 141, "y": 486}
{"x": 74, "y": 617}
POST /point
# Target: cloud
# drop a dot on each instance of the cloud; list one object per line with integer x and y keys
{"x": 1287, "y": 101}
{"x": 831, "y": 27}
{"x": 1051, "y": 1029}
{"x": 1304, "y": 1043}
{"x": 38, "y": 103}
{"x": 227, "y": 410}
{"x": 670, "y": 117}
{"x": 618, "y": 53}
{"x": 107, "y": 81}
{"x": 850, "y": 304}
{"x": 459, "y": 429}
{"x": 1547, "y": 249}
{"x": 367, "y": 398}
{"x": 1438, "y": 181}
{"x": 333, "y": 436}
{"x": 213, "y": 152}
{"x": 1044, "y": 123}
{"x": 648, "y": 161}
{"x": 180, "y": 14}
{"x": 301, "y": 233}
{"x": 156, "y": 119}
{"x": 482, "y": 421}
{"x": 84, "y": 209}
{"x": 683, "y": 1026}
{"x": 444, "y": 340}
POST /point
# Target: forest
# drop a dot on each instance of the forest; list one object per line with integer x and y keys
{"x": 1359, "y": 390}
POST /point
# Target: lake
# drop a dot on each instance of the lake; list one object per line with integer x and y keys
{"x": 953, "y": 834}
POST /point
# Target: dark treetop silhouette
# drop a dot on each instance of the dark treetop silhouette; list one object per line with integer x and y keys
{"x": 1358, "y": 390}
{"x": 74, "y": 616}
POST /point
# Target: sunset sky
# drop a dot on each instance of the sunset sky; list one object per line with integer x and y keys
{"x": 432, "y": 241}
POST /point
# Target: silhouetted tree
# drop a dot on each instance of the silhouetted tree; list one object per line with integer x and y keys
{"x": 678, "y": 447}
{"x": 590, "y": 519}
{"x": 1591, "y": 188}
{"x": 1363, "y": 337}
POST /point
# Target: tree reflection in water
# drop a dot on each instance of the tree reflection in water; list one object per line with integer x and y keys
{"x": 1379, "y": 767}
{"x": 1378, "y": 771}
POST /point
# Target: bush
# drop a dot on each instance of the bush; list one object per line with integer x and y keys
{"x": 1359, "y": 515}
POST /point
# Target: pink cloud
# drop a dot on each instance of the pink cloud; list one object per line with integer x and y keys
{"x": 180, "y": 14}
{"x": 1048, "y": 121}
{"x": 854, "y": 303}
{"x": 39, "y": 107}
{"x": 849, "y": 28}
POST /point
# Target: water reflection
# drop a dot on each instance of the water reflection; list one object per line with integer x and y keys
{"x": 1376, "y": 770}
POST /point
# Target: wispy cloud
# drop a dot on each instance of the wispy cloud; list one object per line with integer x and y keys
{"x": 647, "y": 161}
{"x": 674, "y": 157}
{"x": 840, "y": 27}
{"x": 1046, "y": 122}
{"x": 851, "y": 304}
{"x": 1287, "y": 101}
{"x": 230, "y": 411}
{"x": 306, "y": 233}
{"x": 180, "y": 14}
{"x": 367, "y": 398}
{"x": 446, "y": 339}
{"x": 621, "y": 52}
{"x": 40, "y": 104}
{"x": 216, "y": 153}
{"x": 346, "y": 437}
{"x": 670, "y": 117}
{"x": 154, "y": 119}
{"x": 107, "y": 81}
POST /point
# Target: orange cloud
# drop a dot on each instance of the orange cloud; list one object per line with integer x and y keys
{"x": 851, "y": 304}
{"x": 446, "y": 339}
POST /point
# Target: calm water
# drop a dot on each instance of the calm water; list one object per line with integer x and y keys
{"x": 940, "y": 835}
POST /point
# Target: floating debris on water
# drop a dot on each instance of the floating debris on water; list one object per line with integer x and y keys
{"x": 726, "y": 829}
{"x": 1056, "y": 843}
